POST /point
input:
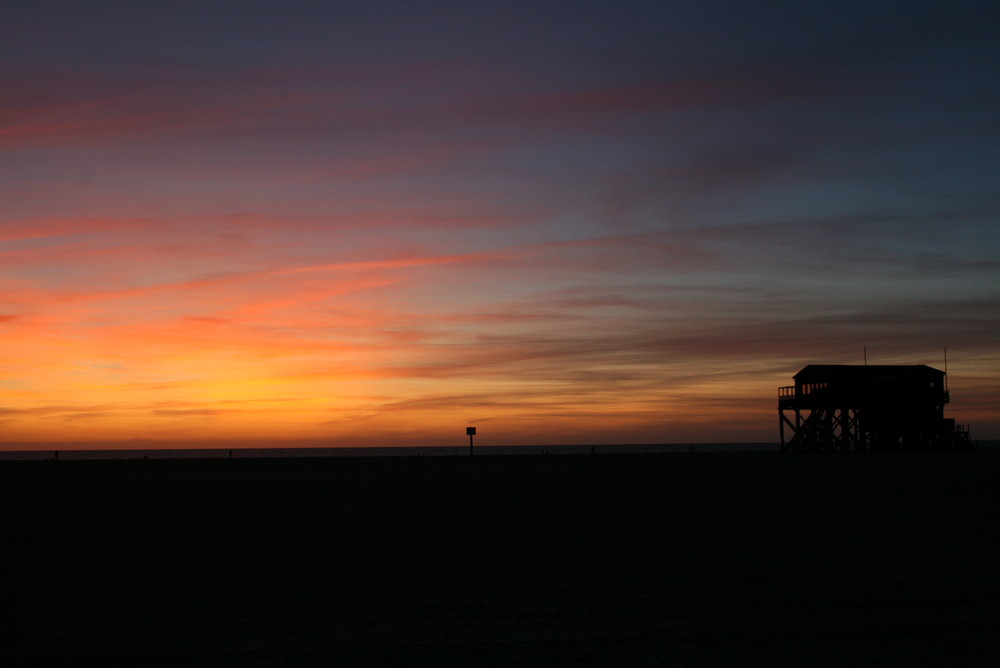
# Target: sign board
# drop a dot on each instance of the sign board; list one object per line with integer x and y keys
{"x": 470, "y": 431}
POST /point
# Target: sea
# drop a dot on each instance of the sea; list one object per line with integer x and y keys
{"x": 15, "y": 454}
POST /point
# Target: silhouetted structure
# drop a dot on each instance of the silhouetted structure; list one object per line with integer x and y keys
{"x": 879, "y": 408}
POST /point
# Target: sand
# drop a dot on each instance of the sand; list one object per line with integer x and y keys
{"x": 681, "y": 559}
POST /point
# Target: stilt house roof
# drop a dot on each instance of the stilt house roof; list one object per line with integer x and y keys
{"x": 856, "y": 373}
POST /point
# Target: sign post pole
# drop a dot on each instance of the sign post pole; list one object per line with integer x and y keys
{"x": 470, "y": 432}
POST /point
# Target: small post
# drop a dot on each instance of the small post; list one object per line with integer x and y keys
{"x": 470, "y": 432}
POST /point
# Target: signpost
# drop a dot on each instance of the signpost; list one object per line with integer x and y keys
{"x": 470, "y": 432}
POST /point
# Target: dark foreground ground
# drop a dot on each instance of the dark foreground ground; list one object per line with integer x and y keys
{"x": 700, "y": 559}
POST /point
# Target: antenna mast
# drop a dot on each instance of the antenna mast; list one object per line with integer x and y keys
{"x": 946, "y": 368}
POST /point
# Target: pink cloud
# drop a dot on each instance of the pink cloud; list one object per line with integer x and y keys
{"x": 151, "y": 109}
{"x": 48, "y": 228}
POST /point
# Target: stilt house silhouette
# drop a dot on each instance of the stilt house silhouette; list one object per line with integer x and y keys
{"x": 877, "y": 408}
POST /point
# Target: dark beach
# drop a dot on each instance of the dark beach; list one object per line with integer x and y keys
{"x": 679, "y": 559}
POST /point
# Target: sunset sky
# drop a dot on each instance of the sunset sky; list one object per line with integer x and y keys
{"x": 377, "y": 223}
